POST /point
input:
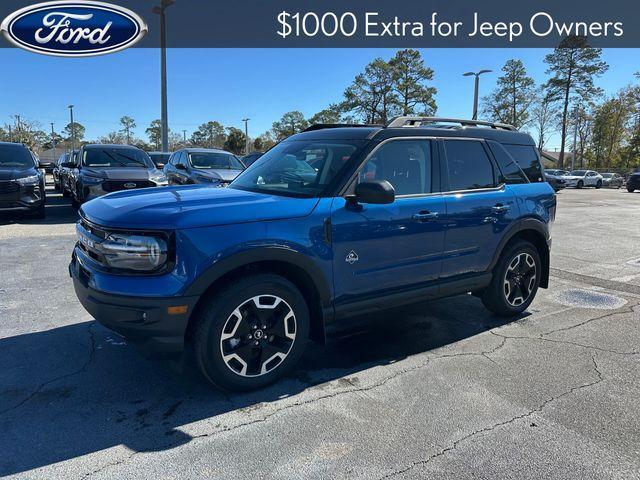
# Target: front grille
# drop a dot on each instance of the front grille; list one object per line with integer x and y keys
{"x": 117, "y": 185}
{"x": 9, "y": 187}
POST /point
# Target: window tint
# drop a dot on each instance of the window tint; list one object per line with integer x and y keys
{"x": 468, "y": 164}
{"x": 527, "y": 158}
{"x": 510, "y": 172}
{"x": 405, "y": 164}
{"x": 15, "y": 156}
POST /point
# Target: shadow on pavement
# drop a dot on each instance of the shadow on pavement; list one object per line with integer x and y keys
{"x": 80, "y": 389}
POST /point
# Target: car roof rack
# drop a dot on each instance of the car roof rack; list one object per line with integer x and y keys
{"x": 409, "y": 121}
{"x": 322, "y": 126}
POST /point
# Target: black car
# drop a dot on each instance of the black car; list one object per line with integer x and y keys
{"x": 199, "y": 165}
{"x": 250, "y": 158}
{"x": 57, "y": 185}
{"x": 102, "y": 169}
{"x": 160, "y": 159}
{"x": 633, "y": 182}
{"x": 65, "y": 172}
{"x": 21, "y": 182}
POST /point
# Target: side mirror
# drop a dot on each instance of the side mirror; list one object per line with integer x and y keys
{"x": 180, "y": 166}
{"x": 375, "y": 192}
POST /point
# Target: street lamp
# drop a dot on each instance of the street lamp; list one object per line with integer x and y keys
{"x": 73, "y": 129}
{"x": 475, "y": 94}
{"x": 53, "y": 140}
{"x": 246, "y": 135}
{"x": 164, "y": 4}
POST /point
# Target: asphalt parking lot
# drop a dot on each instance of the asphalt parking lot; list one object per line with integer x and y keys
{"x": 437, "y": 390}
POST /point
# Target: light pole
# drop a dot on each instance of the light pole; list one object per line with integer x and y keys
{"x": 164, "y": 4}
{"x": 475, "y": 93}
{"x": 73, "y": 129}
{"x": 53, "y": 140}
{"x": 184, "y": 136}
{"x": 246, "y": 135}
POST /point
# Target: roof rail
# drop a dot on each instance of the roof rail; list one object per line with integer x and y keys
{"x": 409, "y": 121}
{"x": 322, "y": 126}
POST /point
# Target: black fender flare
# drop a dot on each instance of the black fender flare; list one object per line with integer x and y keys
{"x": 263, "y": 254}
{"x": 531, "y": 224}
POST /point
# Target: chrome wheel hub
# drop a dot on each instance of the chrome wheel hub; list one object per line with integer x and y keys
{"x": 258, "y": 335}
{"x": 519, "y": 279}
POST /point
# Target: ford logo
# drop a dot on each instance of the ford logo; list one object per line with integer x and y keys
{"x": 129, "y": 185}
{"x": 73, "y": 29}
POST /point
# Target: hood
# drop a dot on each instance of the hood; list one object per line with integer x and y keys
{"x": 127, "y": 173}
{"x": 178, "y": 207}
{"x": 13, "y": 173}
{"x": 224, "y": 174}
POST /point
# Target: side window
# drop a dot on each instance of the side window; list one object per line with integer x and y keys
{"x": 405, "y": 164}
{"x": 527, "y": 158}
{"x": 510, "y": 173}
{"x": 173, "y": 158}
{"x": 468, "y": 164}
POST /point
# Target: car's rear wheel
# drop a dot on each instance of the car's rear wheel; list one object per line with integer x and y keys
{"x": 251, "y": 333}
{"x": 515, "y": 281}
{"x": 580, "y": 184}
{"x": 599, "y": 184}
{"x": 630, "y": 190}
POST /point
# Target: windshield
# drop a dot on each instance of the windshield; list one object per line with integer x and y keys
{"x": 578, "y": 173}
{"x": 15, "y": 156}
{"x": 298, "y": 167}
{"x": 106, "y": 157}
{"x": 215, "y": 160}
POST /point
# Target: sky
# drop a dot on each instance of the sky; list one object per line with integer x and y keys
{"x": 228, "y": 85}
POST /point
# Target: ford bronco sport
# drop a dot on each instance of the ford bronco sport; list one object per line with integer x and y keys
{"x": 332, "y": 222}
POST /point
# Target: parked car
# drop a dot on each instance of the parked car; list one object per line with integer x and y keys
{"x": 46, "y": 165}
{"x": 612, "y": 180}
{"x": 250, "y": 158}
{"x": 57, "y": 185}
{"x": 103, "y": 169}
{"x": 241, "y": 277}
{"x": 633, "y": 182}
{"x": 200, "y": 165}
{"x": 584, "y": 178}
{"x": 160, "y": 159}
{"x": 22, "y": 184}
{"x": 65, "y": 172}
{"x": 556, "y": 180}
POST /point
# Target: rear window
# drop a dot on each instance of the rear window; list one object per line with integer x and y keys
{"x": 527, "y": 158}
{"x": 15, "y": 156}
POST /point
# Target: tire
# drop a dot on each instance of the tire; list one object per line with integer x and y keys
{"x": 580, "y": 184}
{"x": 630, "y": 190}
{"x": 65, "y": 192}
{"x": 40, "y": 212}
{"x": 599, "y": 184}
{"x": 496, "y": 297}
{"x": 253, "y": 296}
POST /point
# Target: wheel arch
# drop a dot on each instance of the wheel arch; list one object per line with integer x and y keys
{"x": 535, "y": 232}
{"x": 294, "y": 266}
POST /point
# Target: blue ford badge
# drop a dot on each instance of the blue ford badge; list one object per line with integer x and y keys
{"x": 73, "y": 29}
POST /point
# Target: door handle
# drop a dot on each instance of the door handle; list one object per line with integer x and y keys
{"x": 424, "y": 216}
{"x": 499, "y": 208}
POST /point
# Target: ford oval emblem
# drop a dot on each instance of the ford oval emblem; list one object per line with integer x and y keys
{"x": 73, "y": 29}
{"x": 130, "y": 185}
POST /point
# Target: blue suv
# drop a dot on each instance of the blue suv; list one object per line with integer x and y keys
{"x": 336, "y": 221}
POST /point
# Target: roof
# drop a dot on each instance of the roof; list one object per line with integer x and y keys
{"x": 110, "y": 145}
{"x": 205, "y": 150}
{"x": 382, "y": 133}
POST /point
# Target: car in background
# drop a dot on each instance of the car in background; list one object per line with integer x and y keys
{"x": 200, "y": 165}
{"x": 66, "y": 170}
{"x": 22, "y": 187}
{"x": 57, "y": 185}
{"x": 555, "y": 179}
{"x": 160, "y": 159}
{"x": 104, "y": 168}
{"x": 47, "y": 165}
{"x": 584, "y": 178}
{"x": 250, "y": 158}
{"x": 612, "y": 180}
{"x": 633, "y": 182}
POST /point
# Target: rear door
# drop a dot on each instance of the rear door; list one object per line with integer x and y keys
{"x": 478, "y": 208}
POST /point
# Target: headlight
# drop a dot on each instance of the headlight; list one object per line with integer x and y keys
{"x": 87, "y": 180}
{"x": 30, "y": 180}
{"x": 134, "y": 252}
{"x": 159, "y": 178}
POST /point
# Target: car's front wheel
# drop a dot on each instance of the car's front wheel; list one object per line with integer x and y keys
{"x": 515, "y": 280}
{"x": 580, "y": 184}
{"x": 599, "y": 184}
{"x": 251, "y": 333}
{"x": 630, "y": 189}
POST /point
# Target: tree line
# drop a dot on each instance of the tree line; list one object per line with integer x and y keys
{"x": 604, "y": 131}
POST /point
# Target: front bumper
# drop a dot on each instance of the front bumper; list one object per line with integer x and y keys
{"x": 144, "y": 321}
{"x": 26, "y": 198}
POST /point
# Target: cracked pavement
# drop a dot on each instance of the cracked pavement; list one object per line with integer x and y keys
{"x": 436, "y": 390}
